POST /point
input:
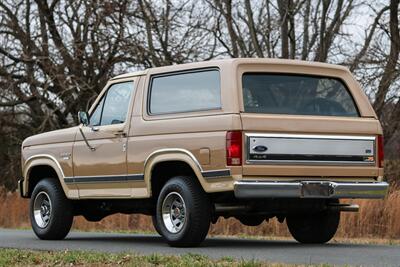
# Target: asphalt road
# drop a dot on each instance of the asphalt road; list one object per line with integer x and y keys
{"x": 271, "y": 251}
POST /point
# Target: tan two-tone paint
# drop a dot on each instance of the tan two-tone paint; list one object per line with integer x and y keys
{"x": 125, "y": 154}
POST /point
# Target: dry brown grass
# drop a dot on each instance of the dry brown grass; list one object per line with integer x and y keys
{"x": 13, "y": 210}
{"x": 376, "y": 219}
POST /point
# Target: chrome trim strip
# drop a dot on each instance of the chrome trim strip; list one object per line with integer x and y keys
{"x": 307, "y": 162}
{"x": 310, "y": 136}
{"x": 310, "y": 162}
{"x": 216, "y": 174}
{"x": 309, "y": 189}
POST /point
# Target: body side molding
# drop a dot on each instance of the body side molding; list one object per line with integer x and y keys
{"x": 104, "y": 179}
{"x": 214, "y": 174}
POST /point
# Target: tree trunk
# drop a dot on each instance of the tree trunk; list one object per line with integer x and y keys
{"x": 390, "y": 68}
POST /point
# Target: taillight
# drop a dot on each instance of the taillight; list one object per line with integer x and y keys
{"x": 381, "y": 154}
{"x": 234, "y": 148}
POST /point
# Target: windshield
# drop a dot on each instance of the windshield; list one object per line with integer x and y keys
{"x": 297, "y": 95}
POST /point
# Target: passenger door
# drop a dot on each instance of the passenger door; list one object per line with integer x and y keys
{"x": 100, "y": 168}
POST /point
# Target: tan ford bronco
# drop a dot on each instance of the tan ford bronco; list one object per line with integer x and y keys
{"x": 251, "y": 139}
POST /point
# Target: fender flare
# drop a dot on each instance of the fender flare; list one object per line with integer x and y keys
{"x": 43, "y": 160}
{"x": 171, "y": 154}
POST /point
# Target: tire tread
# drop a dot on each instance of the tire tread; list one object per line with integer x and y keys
{"x": 62, "y": 211}
{"x": 199, "y": 221}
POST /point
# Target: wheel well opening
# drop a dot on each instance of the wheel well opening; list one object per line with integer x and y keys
{"x": 38, "y": 173}
{"x": 164, "y": 171}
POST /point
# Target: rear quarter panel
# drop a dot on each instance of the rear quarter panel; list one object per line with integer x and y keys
{"x": 201, "y": 133}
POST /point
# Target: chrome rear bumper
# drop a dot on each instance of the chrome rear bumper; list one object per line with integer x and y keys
{"x": 309, "y": 189}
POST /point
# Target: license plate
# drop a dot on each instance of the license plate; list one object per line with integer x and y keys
{"x": 315, "y": 189}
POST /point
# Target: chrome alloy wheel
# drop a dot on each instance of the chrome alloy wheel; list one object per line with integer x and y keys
{"x": 42, "y": 209}
{"x": 174, "y": 212}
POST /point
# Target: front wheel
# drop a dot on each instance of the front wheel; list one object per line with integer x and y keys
{"x": 314, "y": 228}
{"x": 155, "y": 225}
{"x": 51, "y": 213}
{"x": 183, "y": 212}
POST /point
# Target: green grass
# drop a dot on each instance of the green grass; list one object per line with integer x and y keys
{"x": 14, "y": 257}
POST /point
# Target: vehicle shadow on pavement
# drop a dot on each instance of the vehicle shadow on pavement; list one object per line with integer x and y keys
{"x": 209, "y": 242}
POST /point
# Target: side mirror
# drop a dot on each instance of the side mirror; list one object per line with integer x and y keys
{"x": 83, "y": 117}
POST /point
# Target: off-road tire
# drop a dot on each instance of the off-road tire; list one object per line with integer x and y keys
{"x": 198, "y": 212}
{"x": 155, "y": 225}
{"x": 314, "y": 228}
{"x": 61, "y": 218}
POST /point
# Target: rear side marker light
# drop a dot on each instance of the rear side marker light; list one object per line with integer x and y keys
{"x": 381, "y": 153}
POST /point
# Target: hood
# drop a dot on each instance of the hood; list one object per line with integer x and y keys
{"x": 57, "y": 136}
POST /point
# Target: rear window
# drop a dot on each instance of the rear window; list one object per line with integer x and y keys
{"x": 296, "y": 95}
{"x": 185, "y": 92}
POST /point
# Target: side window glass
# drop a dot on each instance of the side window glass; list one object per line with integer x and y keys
{"x": 185, "y": 92}
{"x": 95, "y": 118}
{"x": 116, "y": 103}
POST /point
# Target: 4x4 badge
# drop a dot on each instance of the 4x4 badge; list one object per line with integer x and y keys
{"x": 65, "y": 156}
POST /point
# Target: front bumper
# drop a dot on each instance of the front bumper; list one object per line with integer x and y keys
{"x": 21, "y": 188}
{"x": 309, "y": 189}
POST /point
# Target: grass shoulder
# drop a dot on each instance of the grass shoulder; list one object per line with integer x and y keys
{"x": 14, "y": 257}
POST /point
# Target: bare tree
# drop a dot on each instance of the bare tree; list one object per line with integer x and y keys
{"x": 392, "y": 59}
{"x": 56, "y": 55}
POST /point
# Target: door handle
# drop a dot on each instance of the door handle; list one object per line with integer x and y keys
{"x": 120, "y": 133}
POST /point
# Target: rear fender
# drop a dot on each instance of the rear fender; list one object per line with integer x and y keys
{"x": 173, "y": 154}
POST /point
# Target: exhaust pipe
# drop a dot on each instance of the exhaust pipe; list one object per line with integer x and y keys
{"x": 344, "y": 207}
{"x": 220, "y": 208}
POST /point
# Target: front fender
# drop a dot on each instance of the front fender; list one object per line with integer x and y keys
{"x": 50, "y": 161}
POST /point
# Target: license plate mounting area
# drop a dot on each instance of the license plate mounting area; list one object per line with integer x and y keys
{"x": 316, "y": 189}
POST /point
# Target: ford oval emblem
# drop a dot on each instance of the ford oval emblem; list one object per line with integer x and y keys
{"x": 260, "y": 148}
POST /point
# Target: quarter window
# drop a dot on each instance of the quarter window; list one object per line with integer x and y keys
{"x": 185, "y": 92}
{"x": 113, "y": 107}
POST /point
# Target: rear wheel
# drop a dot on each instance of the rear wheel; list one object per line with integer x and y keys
{"x": 314, "y": 228}
{"x": 183, "y": 212}
{"x": 51, "y": 213}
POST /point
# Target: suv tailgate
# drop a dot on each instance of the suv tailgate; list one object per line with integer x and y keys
{"x": 310, "y": 146}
